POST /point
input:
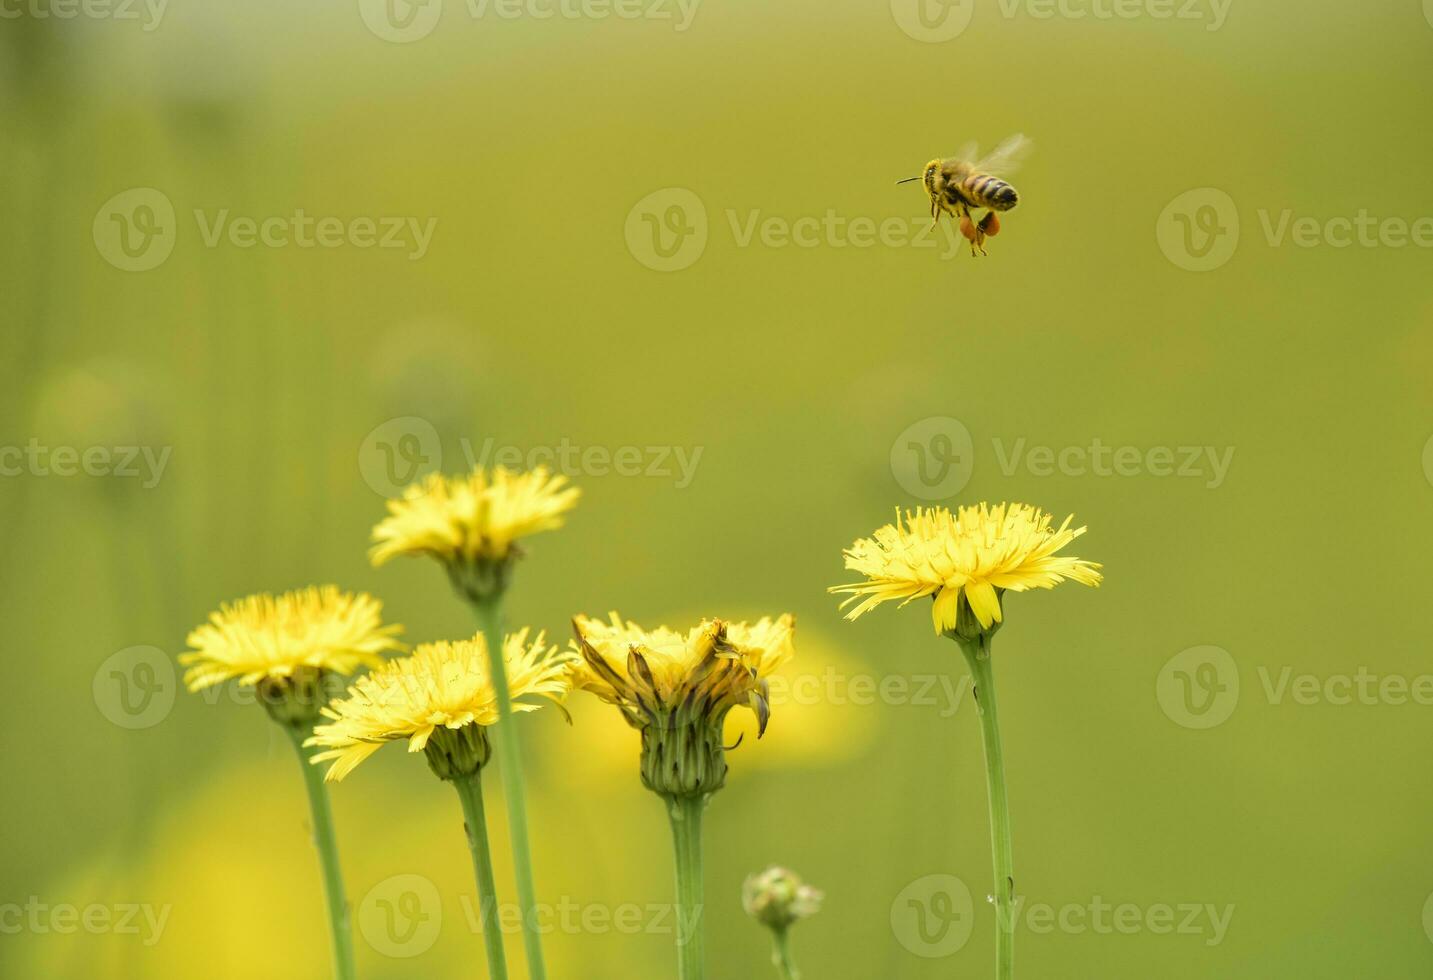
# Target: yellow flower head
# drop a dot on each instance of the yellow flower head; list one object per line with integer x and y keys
{"x": 716, "y": 664}
{"x": 440, "y": 687}
{"x": 676, "y": 689}
{"x": 472, "y": 518}
{"x": 975, "y": 554}
{"x": 262, "y": 637}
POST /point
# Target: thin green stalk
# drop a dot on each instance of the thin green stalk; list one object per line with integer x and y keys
{"x": 782, "y": 956}
{"x": 327, "y": 844}
{"x": 977, "y": 654}
{"x": 686, "y": 816}
{"x": 509, "y": 750}
{"x": 470, "y": 791}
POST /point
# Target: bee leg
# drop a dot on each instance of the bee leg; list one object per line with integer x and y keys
{"x": 967, "y": 227}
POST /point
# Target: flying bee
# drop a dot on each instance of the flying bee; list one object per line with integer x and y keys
{"x": 959, "y": 184}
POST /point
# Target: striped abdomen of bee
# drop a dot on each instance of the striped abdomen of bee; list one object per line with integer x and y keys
{"x": 985, "y": 191}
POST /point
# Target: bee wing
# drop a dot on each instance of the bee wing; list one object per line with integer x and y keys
{"x": 1007, "y": 157}
{"x": 967, "y": 153}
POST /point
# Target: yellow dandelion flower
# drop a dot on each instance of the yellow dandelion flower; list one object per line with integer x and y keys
{"x": 717, "y": 663}
{"x": 266, "y": 637}
{"x": 677, "y": 689}
{"x": 974, "y": 555}
{"x": 473, "y": 518}
{"x": 440, "y": 687}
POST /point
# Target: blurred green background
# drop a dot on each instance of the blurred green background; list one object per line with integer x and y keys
{"x": 267, "y": 378}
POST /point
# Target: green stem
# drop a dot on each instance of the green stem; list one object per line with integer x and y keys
{"x": 509, "y": 750}
{"x": 686, "y": 816}
{"x": 327, "y": 844}
{"x": 782, "y": 956}
{"x": 470, "y": 791}
{"x": 977, "y": 654}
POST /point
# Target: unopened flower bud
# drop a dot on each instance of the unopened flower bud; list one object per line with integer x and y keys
{"x": 777, "y": 898}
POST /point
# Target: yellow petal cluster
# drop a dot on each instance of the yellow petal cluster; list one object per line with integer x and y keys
{"x": 713, "y": 666}
{"x": 976, "y": 552}
{"x": 473, "y": 517}
{"x": 265, "y": 636}
{"x": 440, "y": 684}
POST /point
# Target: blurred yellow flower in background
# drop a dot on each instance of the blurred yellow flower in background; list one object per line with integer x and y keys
{"x": 471, "y": 518}
{"x": 263, "y": 636}
{"x": 442, "y": 684}
{"x": 821, "y": 712}
{"x": 966, "y": 558}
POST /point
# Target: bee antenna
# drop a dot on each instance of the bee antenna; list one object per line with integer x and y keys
{"x": 907, "y": 180}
